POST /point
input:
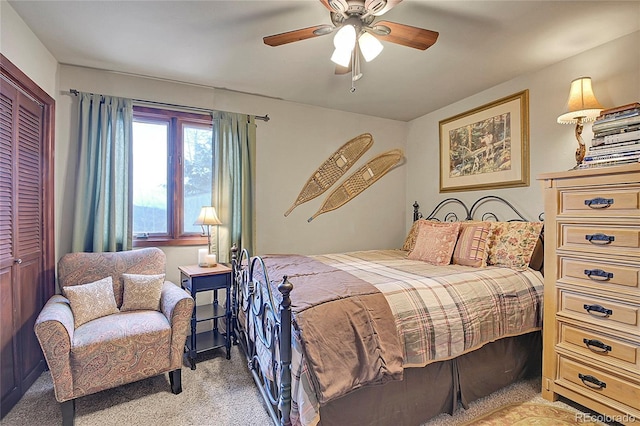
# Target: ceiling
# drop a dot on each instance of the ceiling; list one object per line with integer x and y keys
{"x": 219, "y": 44}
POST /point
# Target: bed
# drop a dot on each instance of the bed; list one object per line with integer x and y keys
{"x": 391, "y": 337}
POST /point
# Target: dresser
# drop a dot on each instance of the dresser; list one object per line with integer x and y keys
{"x": 592, "y": 289}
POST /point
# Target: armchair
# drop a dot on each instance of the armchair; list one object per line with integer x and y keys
{"x": 115, "y": 349}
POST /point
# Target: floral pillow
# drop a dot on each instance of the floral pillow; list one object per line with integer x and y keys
{"x": 410, "y": 241}
{"x": 91, "y": 301}
{"x": 142, "y": 292}
{"x": 435, "y": 242}
{"x": 511, "y": 244}
{"x": 471, "y": 248}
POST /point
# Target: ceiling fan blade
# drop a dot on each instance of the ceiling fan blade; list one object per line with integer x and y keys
{"x": 379, "y": 7}
{"x": 343, "y": 70}
{"x": 406, "y": 35}
{"x": 297, "y": 35}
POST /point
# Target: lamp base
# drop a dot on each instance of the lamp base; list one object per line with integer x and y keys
{"x": 581, "y": 150}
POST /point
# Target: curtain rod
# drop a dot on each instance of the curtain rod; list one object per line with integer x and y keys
{"x": 257, "y": 117}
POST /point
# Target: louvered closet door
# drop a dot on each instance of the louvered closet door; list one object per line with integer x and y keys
{"x": 21, "y": 248}
{"x": 9, "y": 377}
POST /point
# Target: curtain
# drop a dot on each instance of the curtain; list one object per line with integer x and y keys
{"x": 234, "y": 145}
{"x": 102, "y": 219}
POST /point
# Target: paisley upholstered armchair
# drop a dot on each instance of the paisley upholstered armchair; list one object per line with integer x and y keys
{"x": 117, "y": 321}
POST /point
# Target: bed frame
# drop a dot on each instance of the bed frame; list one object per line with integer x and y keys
{"x": 271, "y": 314}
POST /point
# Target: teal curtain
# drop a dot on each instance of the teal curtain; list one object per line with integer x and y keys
{"x": 234, "y": 145}
{"x": 102, "y": 219}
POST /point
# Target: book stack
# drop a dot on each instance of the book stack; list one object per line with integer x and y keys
{"x": 616, "y": 137}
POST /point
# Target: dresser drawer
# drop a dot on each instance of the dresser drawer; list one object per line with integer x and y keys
{"x": 600, "y": 311}
{"x": 620, "y": 277}
{"x": 600, "y": 346}
{"x": 600, "y": 239}
{"x": 597, "y": 384}
{"x": 603, "y": 202}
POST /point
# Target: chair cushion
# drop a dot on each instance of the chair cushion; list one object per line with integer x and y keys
{"x": 118, "y": 349}
{"x": 142, "y": 292}
{"x": 90, "y": 301}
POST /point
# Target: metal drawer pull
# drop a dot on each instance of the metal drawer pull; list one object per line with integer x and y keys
{"x": 597, "y": 308}
{"x": 586, "y": 379}
{"x": 598, "y": 274}
{"x": 601, "y": 239}
{"x": 599, "y": 203}
{"x": 598, "y": 344}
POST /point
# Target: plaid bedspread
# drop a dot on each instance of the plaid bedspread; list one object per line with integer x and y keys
{"x": 441, "y": 312}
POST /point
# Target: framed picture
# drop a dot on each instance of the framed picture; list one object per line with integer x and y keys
{"x": 487, "y": 147}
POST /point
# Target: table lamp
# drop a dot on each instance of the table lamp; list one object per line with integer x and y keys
{"x": 582, "y": 106}
{"x": 208, "y": 218}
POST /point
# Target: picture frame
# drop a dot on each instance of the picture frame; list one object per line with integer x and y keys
{"x": 486, "y": 147}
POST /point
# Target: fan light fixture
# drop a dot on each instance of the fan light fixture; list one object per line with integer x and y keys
{"x": 582, "y": 106}
{"x": 345, "y": 40}
{"x": 369, "y": 46}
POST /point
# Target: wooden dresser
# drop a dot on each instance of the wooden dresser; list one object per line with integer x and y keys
{"x": 592, "y": 289}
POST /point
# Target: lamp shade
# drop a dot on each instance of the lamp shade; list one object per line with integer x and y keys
{"x": 207, "y": 216}
{"x": 369, "y": 46}
{"x": 341, "y": 57}
{"x": 345, "y": 38}
{"x": 582, "y": 103}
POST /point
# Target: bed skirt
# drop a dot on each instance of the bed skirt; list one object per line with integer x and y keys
{"x": 440, "y": 387}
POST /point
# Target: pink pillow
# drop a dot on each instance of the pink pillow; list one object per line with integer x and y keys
{"x": 511, "y": 244}
{"x": 471, "y": 248}
{"x": 435, "y": 242}
{"x": 410, "y": 241}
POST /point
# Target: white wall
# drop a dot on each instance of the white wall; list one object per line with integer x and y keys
{"x": 296, "y": 140}
{"x": 299, "y": 138}
{"x": 615, "y": 72}
{"x": 25, "y": 51}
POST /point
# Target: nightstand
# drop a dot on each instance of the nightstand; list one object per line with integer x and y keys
{"x": 196, "y": 279}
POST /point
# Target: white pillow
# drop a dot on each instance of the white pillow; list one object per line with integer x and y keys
{"x": 142, "y": 292}
{"x": 91, "y": 301}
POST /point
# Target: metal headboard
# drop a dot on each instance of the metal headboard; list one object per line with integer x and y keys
{"x": 441, "y": 213}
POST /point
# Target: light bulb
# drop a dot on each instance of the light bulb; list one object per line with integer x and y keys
{"x": 341, "y": 57}
{"x": 369, "y": 46}
{"x": 345, "y": 38}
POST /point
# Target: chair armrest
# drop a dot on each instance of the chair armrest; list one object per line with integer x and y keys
{"x": 177, "y": 305}
{"x": 54, "y": 329}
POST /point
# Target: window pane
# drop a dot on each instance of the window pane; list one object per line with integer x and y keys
{"x": 197, "y": 173}
{"x": 150, "y": 178}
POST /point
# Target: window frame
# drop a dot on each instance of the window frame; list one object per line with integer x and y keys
{"x": 176, "y": 121}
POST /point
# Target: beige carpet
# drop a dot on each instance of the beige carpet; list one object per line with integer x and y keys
{"x": 218, "y": 392}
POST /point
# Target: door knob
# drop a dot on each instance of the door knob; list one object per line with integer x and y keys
{"x": 18, "y": 261}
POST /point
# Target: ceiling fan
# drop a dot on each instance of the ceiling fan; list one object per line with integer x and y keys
{"x": 357, "y": 34}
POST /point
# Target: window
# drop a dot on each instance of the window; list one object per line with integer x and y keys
{"x": 172, "y": 175}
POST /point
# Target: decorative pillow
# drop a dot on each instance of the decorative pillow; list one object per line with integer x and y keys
{"x": 142, "y": 292}
{"x": 471, "y": 248}
{"x": 511, "y": 244}
{"x": 410, "y": 241}
{"x": 435, "y": 242}
{"x": 91, "y": 301}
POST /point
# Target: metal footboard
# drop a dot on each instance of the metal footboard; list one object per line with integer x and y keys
{"x": 262, "y": 326}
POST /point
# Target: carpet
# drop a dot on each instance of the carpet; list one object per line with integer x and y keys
{"x": 221, "y": 392}
{"x": 531, "y": 414}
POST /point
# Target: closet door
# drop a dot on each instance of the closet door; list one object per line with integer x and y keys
{"x": 25, "y": 237}
{"x": 9, "y": 378}
{"x": 28, "y": 285}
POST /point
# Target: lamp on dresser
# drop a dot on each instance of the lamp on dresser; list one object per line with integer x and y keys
{"x": 582, "y": 106}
